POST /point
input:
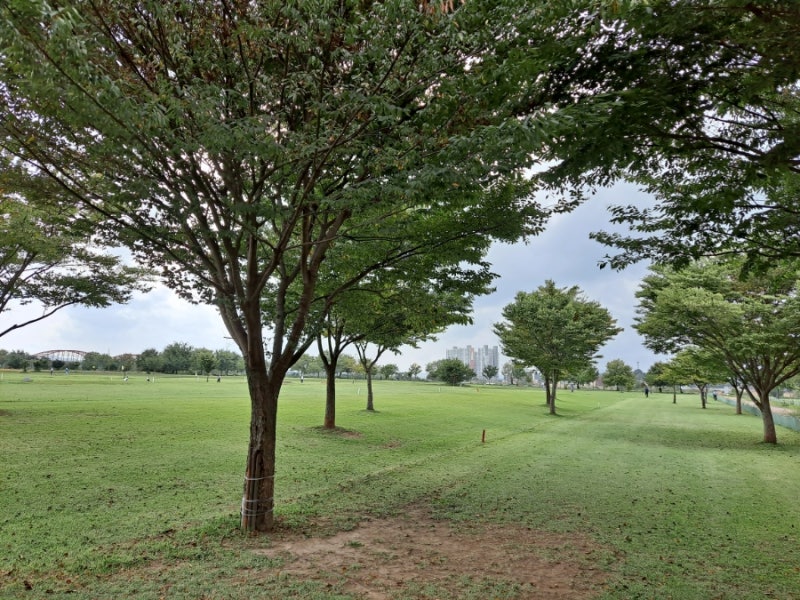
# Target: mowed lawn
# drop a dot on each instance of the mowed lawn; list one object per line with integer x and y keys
{"x": 104, "y": 481}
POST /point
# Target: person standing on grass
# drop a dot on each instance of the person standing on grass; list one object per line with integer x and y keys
{"x": 646, "y": 391}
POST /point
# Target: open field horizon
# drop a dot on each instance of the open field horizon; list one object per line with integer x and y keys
{"x": 113, "y": 489}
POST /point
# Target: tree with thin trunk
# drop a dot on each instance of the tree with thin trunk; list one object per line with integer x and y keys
{"x": 205, "y": 361}
{"x": 332, "y": 343}
{"x": 586, "y": 375}
{"x": 738, "y": 389}
{"x": 656, "y": 376}
{"x": 368, "y": 364}
{"x": 556, "y": 330}
{"x": 385, "y": 314}
{"x": 698, "y": 367}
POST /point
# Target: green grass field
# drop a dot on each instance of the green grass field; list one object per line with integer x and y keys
{"x": 104, "y": 484}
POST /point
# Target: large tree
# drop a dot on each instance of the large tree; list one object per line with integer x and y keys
{"x": 228, "y": 361}
{"x": 750, "y": 322}
{"x": 235, "y": 146}
{"x": 177, "y": 357}
{"x": 705, "y": 119}
{"x": 150, "y": 360}
{"x": 556, "y": 330}
{"x": 47, "y": 255}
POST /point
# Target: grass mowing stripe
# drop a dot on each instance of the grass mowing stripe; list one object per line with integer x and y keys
{"x": 686, "y": 512}
{"x": 98, "y": 477}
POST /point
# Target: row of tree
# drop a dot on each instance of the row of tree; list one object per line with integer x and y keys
{"x": 617, "y": 375}
{"x": 722, "y": 319}
{"x": 725, "y": 322}
{"x": 177, "y": 357}
{"x": 293, "y": 164}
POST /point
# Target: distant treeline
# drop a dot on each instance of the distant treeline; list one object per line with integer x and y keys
{"x": 174, "y": 358}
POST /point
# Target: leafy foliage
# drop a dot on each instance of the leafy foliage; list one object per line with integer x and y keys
{"x": 586, "y": 375}
{"x": 619, "y": 375}
{"x": 556, "y": 330}
{"x": 698, "y": 103}
{"x": 698, "y": 367}
{"x": 748, "y": 322}
{"x": 657, "y": 375}
{"x": 46, "y": 252}
{"x": 240, "y": 147}
{"x": 204, "y": 361}
{"x": 414, "y": 370}
{"x": 450, "y": 370}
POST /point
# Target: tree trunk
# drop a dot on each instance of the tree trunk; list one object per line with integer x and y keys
{"x": 259, "y": 481}
{"x": 553, "y": 398}
{"x": 739, "y": 394}
{"x": 770, "y": 435}
{"x": 370, "y": 404}
{"x": 547, "y": 390}
{"x": 330, "y": 362}
{"x": 330, "y": 397}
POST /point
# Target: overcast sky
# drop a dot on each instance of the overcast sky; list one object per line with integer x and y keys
{"x": 563, "y": 253}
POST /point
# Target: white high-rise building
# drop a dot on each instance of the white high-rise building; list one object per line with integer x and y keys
{"x": 476, "y": 358}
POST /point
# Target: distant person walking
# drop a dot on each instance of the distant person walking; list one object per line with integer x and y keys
{"x": 646, "y": 391}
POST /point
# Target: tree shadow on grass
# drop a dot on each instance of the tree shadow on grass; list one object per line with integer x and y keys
{"x": 696, "y": 436}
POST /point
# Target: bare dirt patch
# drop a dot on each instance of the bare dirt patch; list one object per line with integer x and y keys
{"x": 387, "y": 558}
{"x": 340, "y": 431}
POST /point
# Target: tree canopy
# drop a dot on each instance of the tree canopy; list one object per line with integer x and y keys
{"x": 237, "y": 148}
{"x": 47, "y": 255}
{"x": 657, "y": 375}
{"x": 449, "y": 370}
{"x": 699, "y": 367}
{"x": 619, "y": 375}
{"x": 556, "y": 330}
{"x": 747, "y": 321}
{"x": 705, "y": 120}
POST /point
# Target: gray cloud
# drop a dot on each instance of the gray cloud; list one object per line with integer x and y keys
{"x": 564, "y": 253}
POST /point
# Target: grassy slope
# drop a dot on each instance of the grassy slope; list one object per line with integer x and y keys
{"x": 99, "y": 477}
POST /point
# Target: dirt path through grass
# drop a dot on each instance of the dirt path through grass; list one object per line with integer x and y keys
{"x": 412, "y": 552}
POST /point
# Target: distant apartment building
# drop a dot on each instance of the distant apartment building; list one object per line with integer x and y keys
{"x": 476, "y": 358}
